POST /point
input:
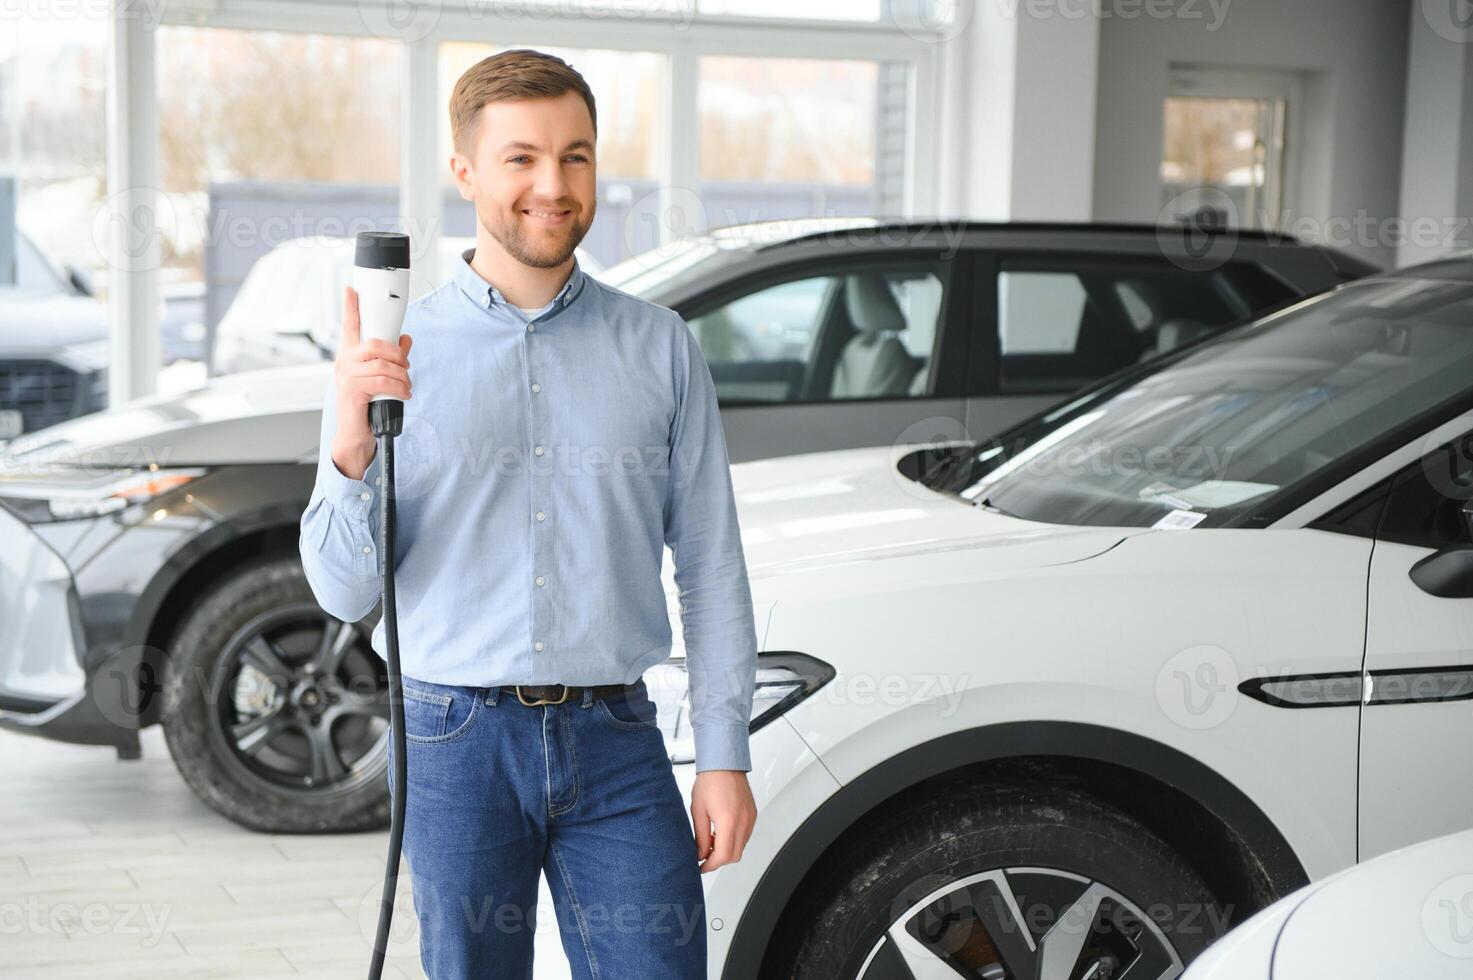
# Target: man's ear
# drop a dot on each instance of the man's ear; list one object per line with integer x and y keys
{"x": 463, "y": 183}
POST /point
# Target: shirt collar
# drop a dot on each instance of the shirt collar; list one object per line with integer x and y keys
{"x": 486, "y": 295}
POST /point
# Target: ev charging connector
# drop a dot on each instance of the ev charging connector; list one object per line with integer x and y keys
{"x": 381, "y": 280}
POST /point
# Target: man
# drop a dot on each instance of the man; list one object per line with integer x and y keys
{"x": 558, "y": 433}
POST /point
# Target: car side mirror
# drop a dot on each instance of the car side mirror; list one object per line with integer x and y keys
{"x": 1448, "y": 572}
{"x": 311, "y": 337}
{"x": 79, "y": 280}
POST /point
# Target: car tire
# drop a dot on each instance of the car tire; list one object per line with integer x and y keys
{"x": 909, "y": 885}
{"x": 248, "y": 644}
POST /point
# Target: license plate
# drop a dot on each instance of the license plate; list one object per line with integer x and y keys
{"x": 10, "y": 423}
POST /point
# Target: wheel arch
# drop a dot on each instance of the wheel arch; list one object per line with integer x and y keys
{"x": 196, "y": 568}
{"x": 1210, "y": 821}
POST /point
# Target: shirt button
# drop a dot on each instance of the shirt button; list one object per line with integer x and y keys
{"x": 365, "y": 495}
{"x": 541, "y": 580}
{"x": 377, "y": 480}
{"x": 536, "y": 387}
{"x": 538, "y": 450}
{"x": 531, "y": 327}
{"x": 367, "y": 548}
{"x": 537, "y": 645}
{"x": 541, "y": 516}
{"x": 488, "y": 300}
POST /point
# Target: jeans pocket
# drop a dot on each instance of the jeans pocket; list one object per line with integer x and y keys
{"x": 630, "y": 711}
{"x": 437, "y": 712}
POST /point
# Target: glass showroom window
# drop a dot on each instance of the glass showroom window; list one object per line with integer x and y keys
{"x": 628, "y": 91}
{"x": 53, "y": 194}
{"x": 275, "y": 150}
{"x": 850, "y": 10}
{"x": 1225, "y": 146}
{"x": 800, "y": 137}
{"x": 901, "y": 13}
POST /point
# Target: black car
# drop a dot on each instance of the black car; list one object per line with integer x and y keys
{"x": 149, "y": 554}
{"x": 840, "y": 333}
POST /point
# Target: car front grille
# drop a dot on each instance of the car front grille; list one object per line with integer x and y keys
{"x": 44, "y": 391}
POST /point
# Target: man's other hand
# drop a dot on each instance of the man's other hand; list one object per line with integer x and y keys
{"x": 723, "y": 812}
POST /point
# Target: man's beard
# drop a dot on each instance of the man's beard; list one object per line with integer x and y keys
{"x": 532, "y": 247}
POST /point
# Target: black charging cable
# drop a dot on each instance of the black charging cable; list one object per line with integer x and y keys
{"x": 386, "y": 419}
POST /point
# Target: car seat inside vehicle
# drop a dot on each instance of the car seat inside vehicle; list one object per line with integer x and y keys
{"x": 1174, "y": 332}
{"x": 875, "y": 362}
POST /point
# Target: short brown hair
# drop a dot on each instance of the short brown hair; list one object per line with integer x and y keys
{"x": 520, "y": 73}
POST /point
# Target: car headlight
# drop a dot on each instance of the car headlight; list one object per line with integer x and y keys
{"x": 784, "y": 678}
{"x": 85, "y": 357}
{"x": 70, "y": 494}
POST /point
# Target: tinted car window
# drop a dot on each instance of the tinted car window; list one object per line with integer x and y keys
{"x": 868, "y": 331}
{"x": 1218, "y": 429}
{"x": 1063, "y": 322}
{"x": 1426, "y": 502}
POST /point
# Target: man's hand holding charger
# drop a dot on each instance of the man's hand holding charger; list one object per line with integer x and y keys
{"x": 362, "y": 369}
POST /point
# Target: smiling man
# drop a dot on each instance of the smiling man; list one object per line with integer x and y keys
{"x": 558, "y": 433}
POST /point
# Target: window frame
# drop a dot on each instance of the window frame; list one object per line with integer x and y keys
{"x": 133, "y": 149}
{"x": 1285, "y": 87}
{"x": 985, "y": 375}
{"x": 1395, "y": 484}
{"x": 949, "y": 350}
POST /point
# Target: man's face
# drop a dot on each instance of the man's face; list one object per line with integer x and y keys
{"x": 533, "y": 176}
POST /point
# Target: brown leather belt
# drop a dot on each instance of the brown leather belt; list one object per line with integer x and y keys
{"x": 558, "y": 693}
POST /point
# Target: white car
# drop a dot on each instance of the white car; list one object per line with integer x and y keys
{"x": 1408, "y": 913}
{"x": 289, "y": 308}
{"x": 1072, "y": 702}
{"x": 1066, "y": 704}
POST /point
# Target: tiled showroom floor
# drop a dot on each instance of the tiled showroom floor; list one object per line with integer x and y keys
{"x": 113, "y": 870}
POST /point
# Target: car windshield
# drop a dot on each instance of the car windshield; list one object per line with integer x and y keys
{"x": 1200, "y": 438}
{"x": 660, "y": 268}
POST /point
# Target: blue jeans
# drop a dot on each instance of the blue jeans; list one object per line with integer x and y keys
{"x": 499, "y": 791}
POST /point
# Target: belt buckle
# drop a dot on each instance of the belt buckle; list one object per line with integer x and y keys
{"x": 533, "y": 704}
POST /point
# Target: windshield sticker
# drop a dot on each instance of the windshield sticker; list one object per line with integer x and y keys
{"x": 1179, "y": 520}
{"x": 1207, "y": 495}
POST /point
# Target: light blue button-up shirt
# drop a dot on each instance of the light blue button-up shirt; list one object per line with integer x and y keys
{"x": 544, "y": 465}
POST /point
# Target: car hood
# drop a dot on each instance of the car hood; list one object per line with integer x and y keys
{"x": 1412, "y": 902}
{"x": 269, "y": 416}
{"x": 817, "y": 510}
{"x": 797, "y": 513}
{"x": 36, "y": 325}
{"x": 1407, "y": 901}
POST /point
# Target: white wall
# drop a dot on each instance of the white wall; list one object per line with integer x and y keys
{"x": 1437, "y": 158}
{"x": 1026, "y": 113}
{"x": 1352, "y": 56}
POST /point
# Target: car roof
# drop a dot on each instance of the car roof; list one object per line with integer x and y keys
{"x": 1457, "y": 267}
{"x": 774, "y": 232}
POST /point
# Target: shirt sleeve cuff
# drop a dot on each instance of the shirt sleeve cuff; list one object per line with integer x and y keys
{"x": 349, "y": 496}
{"x": 723, "y": 747}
